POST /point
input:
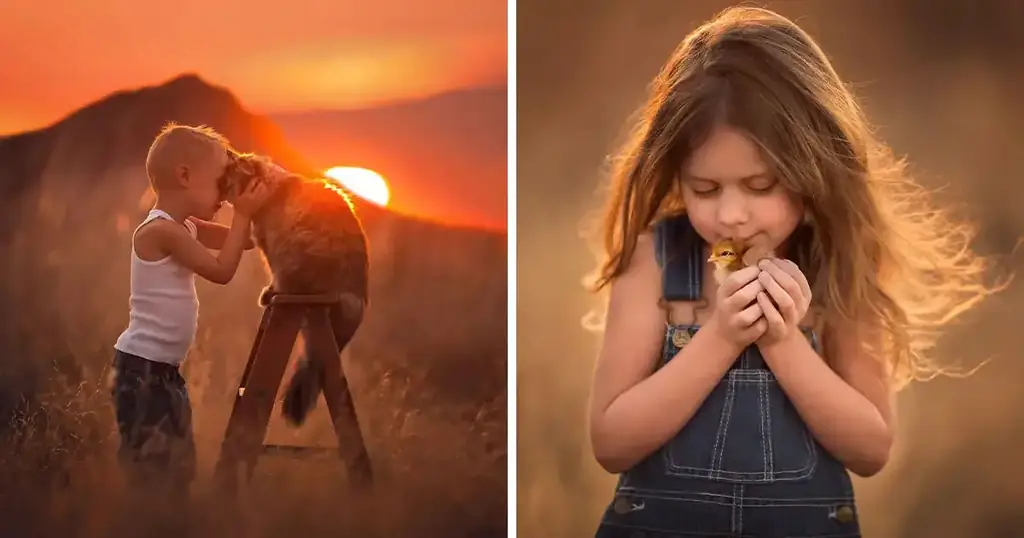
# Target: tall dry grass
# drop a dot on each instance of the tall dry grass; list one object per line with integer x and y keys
{"x": 427, "y": 370}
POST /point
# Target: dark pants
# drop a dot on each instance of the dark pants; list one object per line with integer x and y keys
{"x": 154, "y": 419}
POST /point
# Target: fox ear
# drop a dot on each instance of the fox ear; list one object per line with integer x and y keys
{"x": 259, "y": 169}
{"x": 264, "y": 166}
{"x": 249, "y": 168}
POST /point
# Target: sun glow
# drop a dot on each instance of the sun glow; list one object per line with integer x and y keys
{"x": 364, "y": 183}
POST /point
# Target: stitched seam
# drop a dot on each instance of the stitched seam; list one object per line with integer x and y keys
{"x": 761, "y": 425}
{"x": 768, "y": 414}
{"x": 723, "y": 428}
{"x": 729, "y": 500}
{"x": 733, "y": 513}
{"x": 660, "y": 531}
{"x": 830, "y": 502}
{"x": 743, "y": 492}
{"x": 718, "y": 434}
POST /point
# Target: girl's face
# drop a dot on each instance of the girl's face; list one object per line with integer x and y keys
{"x": 729, "y": 192}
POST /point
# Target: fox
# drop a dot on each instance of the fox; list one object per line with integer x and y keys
{"x": 311, "y": 242}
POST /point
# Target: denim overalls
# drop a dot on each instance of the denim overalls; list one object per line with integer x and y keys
{"x": 745, "y": 464}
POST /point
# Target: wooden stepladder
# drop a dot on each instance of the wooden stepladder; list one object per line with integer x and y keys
{"x": 257, "y": 392}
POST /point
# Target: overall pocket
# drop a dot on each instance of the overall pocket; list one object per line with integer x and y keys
{"x": 745, "y": 431}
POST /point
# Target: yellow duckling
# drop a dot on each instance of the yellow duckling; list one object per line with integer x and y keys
{"x": 728, "y": 256}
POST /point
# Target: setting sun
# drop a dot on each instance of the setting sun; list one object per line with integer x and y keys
{"x": 364, "y": 183}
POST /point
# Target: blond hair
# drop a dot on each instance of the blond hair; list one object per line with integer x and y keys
{"x": 180, "y": 144}
{"x": 881, "y": 253}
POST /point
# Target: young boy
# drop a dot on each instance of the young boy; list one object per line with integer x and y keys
{"x": 169, "y": 248}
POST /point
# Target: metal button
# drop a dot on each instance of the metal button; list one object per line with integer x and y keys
{"x": 844, "y": 514}
{"x": 622, "y": 505}
{"x": 680, "y": 337}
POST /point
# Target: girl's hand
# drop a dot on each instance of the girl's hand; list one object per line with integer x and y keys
{"x": 786, "y": 286}
{"x": 737, "y": 318}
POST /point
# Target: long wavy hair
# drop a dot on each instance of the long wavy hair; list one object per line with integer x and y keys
{"x": 881, "y": 252}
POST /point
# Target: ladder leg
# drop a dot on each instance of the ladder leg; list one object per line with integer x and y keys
{"x": 264, "y": 324}
{"x": 247, "y": 425}
{"x": 351, "y": 446}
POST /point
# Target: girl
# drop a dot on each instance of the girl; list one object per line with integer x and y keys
{"x": 773, "y": 385}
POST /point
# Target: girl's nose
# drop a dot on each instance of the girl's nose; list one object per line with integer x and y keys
{"x": 732, "y": 209}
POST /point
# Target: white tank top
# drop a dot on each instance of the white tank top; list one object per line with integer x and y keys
{"x": 163, "y": 305}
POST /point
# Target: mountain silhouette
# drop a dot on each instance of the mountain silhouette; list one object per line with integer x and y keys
{"x": 70, "y": 196}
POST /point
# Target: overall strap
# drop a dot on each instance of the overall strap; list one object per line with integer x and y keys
{"x": 680, "y": 254}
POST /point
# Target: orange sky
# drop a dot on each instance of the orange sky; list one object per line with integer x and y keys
{"x": 275, "y": 55}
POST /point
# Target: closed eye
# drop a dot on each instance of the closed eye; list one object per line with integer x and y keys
{"x": 762, "y": 185}
{"x": 705, "y": 190}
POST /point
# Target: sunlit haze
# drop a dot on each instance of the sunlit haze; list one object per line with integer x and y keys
{"x": 411, "y": 90}
{"x": 364, "y": 183}
{"x": 302, "y": 54}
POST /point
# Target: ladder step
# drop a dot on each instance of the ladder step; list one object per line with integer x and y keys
{"x": 306, "y": 300}
{"x": 295, "y": 450}
{"x": 241, "y": 392}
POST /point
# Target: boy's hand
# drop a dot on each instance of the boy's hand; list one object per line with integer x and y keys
{"x": 252, "y": 198}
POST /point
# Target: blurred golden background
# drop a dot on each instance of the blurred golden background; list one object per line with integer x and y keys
{"x": 941, "y": 79}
